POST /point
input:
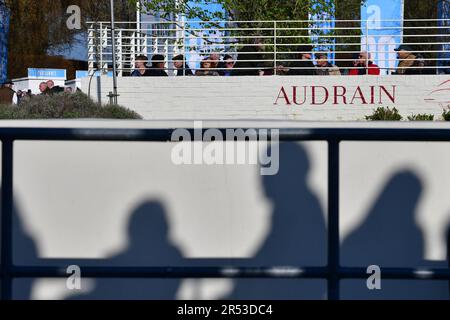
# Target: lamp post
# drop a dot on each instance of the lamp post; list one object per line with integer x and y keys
{"x": 113, "y": 95}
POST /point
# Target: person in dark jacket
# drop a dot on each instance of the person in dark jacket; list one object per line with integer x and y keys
{"x": 158, "y": 66}
{"x": 410, "y": 63}
{"x": 249, "y": 61}
{"x": 178, "y": 62}
{"x": 303, "y": 66}
{"x": 52, "y": 89}
{"x": 141, "y": 67}
{"x": 7, "y": 94}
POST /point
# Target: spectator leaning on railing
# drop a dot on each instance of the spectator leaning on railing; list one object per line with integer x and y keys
{"x": 364, "y": 65}
{"x": 226, "y": 66}
{"x": 250, "y": 60}
{"x": 205, "y": 69}
{"x": 325, "y": 68}
{"x": 409, "y": 62}
{"x": 303, "y": 66}
{"x": 182, "y": 69}
{"x": 158, "y": 66}
{"x": 141, "y": 67}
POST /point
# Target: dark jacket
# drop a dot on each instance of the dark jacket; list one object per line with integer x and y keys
{"x": 56, "y": 89}
{"x": 187, "y": 71}
{"x": 254, "y": 65}
{"x": 153, "y": 72}
{"x": 6, "y": 95}
{"x": 302, "y": 72}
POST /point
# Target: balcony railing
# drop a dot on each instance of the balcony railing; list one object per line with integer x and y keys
{"x": 342, "y": 40}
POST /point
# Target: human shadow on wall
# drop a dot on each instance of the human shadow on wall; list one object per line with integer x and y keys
{"x": 148, "y": 245}
{"x": 448, "y": 255}
{"x": 297, "y": 236}
{"x": 25, "y": 253}
{"x": 390, "y": 237}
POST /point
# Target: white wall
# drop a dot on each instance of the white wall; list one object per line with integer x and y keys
{"x": 255, "y": 97}
{"x": 76, "y": 200}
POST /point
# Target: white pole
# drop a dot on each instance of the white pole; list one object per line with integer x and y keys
{"x": 113, "y": 39}
{"x": 138, "y": 26}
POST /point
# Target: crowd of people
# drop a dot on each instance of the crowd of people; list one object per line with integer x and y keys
{"x": 253, "y": 61}
{"x": 9, "y": 96}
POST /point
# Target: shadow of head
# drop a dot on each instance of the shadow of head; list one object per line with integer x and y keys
{"x": 148, "y": 224}
{"x": 400, "y": 196}
{"x": 293, "y": 168}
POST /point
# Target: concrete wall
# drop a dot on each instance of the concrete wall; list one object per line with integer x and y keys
{"x": 128, "y": 204}
{"x": 349, "y": 98}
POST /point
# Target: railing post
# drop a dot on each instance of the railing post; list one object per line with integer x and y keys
{"x": 275, "y": 42}
{"x": 6, "y": 219}
{"x": 367, "y": 48}
{"x": 333, "y": 220}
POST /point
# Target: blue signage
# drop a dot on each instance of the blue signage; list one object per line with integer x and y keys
{"x": 80, "y": 74}
{"x": 4, "y": 31}
{"x": 382, "y": 31}
{"x": 56, "y": 74}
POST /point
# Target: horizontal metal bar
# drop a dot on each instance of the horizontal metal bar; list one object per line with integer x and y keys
{"x": 285, "y": 134}
{"x": 172, "y": 272}
{"x": 270, "y": 21}
{"x": 285, "y": 272}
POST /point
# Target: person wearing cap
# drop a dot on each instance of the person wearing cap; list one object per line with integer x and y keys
{"x": 158, "y": 66}
{"x": 7, "y": 94}
{"x": 325, "y": 68}
{"x": 364, "y": 65}
{"x": 409, "y": 62}
{"x": 303, "y": 66}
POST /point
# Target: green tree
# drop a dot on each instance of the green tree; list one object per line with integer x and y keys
{"x": 38, "y": 30}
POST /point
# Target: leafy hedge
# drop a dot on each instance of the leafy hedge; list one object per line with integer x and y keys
{"x": 446, "y": 114}
{"x": 421, "y": 117}
{"x": 64, "y": 106}
{"x": 385, "y": 114}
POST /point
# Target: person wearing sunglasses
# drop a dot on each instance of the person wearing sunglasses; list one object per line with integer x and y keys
{"x": 226, "y": 66}
{"x": 364, "y": 65}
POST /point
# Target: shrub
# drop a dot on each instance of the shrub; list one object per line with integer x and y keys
{"x": 64, "y": 106}
{"x": 385, "y": 114}
{"x": 446, "y": 114}
{"x": 421, "y": 117}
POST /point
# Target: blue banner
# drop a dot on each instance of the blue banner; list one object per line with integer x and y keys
{"x": 382, "y": 29}
{"x": 4, "y": 31}
{"x": 43, "y": 74}
{"x": 197, "y": 48}
{"x": 322, "y": 24}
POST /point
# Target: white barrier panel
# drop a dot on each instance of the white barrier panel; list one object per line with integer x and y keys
{"x": 279, "y": 98}
{"x": 129, "y": 204}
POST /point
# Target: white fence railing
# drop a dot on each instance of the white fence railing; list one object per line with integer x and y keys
{"x": 342, "y": 40}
